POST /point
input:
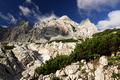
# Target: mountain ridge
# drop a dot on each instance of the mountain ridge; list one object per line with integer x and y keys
{"x": 47, "y": 29}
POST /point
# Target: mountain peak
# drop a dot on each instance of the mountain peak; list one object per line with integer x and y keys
{"x": 87, "y": 29}
{"x": 86, "y": 21}
{"x": 64, "y": 18}
{"x": 49, "y": 18}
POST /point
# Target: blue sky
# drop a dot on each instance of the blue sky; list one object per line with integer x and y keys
{"x": 104, "y": 13}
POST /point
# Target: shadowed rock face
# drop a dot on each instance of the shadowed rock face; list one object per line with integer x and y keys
{"x": 9, "y": 65}
{"x": 3, "y": 33}
{"x": 49, "y": 32}
{"x": 15, "y": 60}
{"x": 19, "y": 32}
{"x": 15, "y": 33}
{"x": 4, "y": 73}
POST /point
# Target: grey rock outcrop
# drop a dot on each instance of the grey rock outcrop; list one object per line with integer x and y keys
{"x": 21, "y": 59}
{"x": 53, "y": 48}
{"x": 15, "y": 60}
{"x": 10, "y": 65}
{"x": 86, "y": 71}
{"x": 86, "y": 29}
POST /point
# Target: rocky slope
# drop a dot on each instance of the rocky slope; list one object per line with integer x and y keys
{"x": 23, "y": 48}
{"x": 20, "y": 59}
{"x": 99, "y": 70}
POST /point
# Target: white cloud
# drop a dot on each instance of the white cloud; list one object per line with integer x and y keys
{"x": 30, "y": 10}
{"x": 33, "y": 13}
{"x": 12, "y": 19}
{"x": 28, "y": 1}
{"x": 30, "y": 13}
{"x": 47, "y": 17}
{"x": 95, "y": 4}
{"x": 24, "y": 10}
{"x": 113, "y": 21}
{"x": 3, "y": 16}
{"x": 3, "y": 26}
{"x": 9, "y": 18}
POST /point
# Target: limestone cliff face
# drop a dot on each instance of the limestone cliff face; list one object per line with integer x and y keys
{"x": 86, "y": 29}
{"x": 51, "y": 28}
{"x": 17, "y": 32}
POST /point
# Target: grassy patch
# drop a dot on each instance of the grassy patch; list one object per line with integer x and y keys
{"x": 54, "y": 64}
{"x": 115, "y": 60}
{"x": 116, "y": 76}
{"x": 55, "y": 78}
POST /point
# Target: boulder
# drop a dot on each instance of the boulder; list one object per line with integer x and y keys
{"x": 60, "y": 73}
{"x": 71, "y": 69}
{"x": 103, "y": 61}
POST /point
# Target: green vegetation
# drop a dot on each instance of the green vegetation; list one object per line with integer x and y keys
{"x": 115, "y": 60}
{"x": 55, "y": 78}
{"x": 54, "y": 64}
{"x": 116, "y": 76}
{"x": 104, "y": 43}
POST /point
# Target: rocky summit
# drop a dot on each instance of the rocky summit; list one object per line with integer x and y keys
{"x": 48, "y": 29}
{"x": 27, "y": 51}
